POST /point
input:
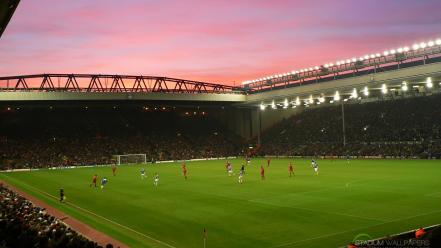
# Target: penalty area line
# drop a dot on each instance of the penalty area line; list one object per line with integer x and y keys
{"x": 104, "y": 218}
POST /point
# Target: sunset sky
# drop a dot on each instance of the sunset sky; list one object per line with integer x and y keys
{"x": 216, "y": 41}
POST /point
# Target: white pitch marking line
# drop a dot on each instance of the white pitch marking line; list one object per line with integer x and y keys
{"x": 104, "y": 218}
{"x": 355, "y": 229}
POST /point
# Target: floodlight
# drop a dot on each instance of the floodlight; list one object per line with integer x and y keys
{"x": 423, "y": 45}
{"x": 438, "y": 42}
{"x": 383, "y": 88}
{"x": 429, "y": 83}
{"x": 297, "y": 101}
{"x": 385, "y": 53}
{"x": 431, "y": 43}
{"x": 338, "y": 63}
{"x": 377, "y": 55}
{"x": 415, "y": 47}
{"x": 400, "y": 50}
{"x": 348, "y": 61}
{"x": 404, "y": 87}
{"x": 285, "y": 103}
{"x": 262, "y": 106}
{"x": 326, "y": 65}
{"x": 354, "y": 93}
{"x": 316, "y": 67}
{"x": 392, "y": 51}
{"x": 331, "y": 64}
{"x": 406, "y": 49}
{"x": 337, "y": 96}
{"x": 366, "y": 56}
{"x": 372, "y": 56}
{"x": 354, "y": 59}
{"x": 361, "y": 59}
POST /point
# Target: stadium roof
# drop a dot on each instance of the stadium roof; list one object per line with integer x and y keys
{"x": 7, "y": 8}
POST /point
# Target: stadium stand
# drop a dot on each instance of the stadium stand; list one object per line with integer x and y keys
{"x": 24, "y": 225}
{"x": 405, "y": 127}
{"x": 79, "y": 135}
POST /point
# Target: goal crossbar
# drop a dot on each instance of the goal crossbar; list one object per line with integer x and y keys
{"x": 131, "y": 158}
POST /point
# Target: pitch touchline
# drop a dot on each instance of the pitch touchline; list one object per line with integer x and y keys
{"x": 355, "y": 229}
{"x": 102, "y": 217}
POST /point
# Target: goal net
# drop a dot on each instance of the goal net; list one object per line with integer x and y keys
{"x": 131, "y": 159}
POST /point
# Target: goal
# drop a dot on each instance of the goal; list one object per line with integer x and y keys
{"x": 131, "y": 159}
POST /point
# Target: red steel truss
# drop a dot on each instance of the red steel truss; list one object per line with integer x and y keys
{"x": 109, "y": 83}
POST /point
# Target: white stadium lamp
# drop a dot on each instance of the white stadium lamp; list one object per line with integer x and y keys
{"x": 354, "y": 93}
{"x": 383, "y": 88}
{"x": 262, "y": 106}
{"x": 404, "y": 87}
{"x": 429, "y": 83}
{"x": 337, "y": 96}
{"x": 438, "y": 42}
{"x": 415, "y": 47}
{"x": 366, "y": 91}
{"x": 285, "y": 103}
{"x": 273, "y": 105}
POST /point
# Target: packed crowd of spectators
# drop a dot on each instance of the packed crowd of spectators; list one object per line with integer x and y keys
{"x": 62, "y": 136}
{"x": 24, "y": 225}
{"x": 73, "y": 135}
{"x": 409, "y": 127}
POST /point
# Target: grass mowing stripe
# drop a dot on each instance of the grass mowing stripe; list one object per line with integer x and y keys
{"x": 102, "y": 217}
{"x": 319, "y": 211}
{"x": 355, "y": 229}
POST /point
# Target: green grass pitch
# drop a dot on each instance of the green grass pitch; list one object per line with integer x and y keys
{"x": 374, "y": 197}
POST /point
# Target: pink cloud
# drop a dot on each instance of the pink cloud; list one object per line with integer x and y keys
{"x": 219, "y": 41}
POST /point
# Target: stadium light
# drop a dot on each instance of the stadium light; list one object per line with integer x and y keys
{"x": 429, "y": 83}
{"x": 273, "y": 105}
{"x": 366, "y": 91}
{"x": 415, "y": 47}
{"x": 404, "y": 87}
{"x": 322, "y": 99}
{"x": 297, "y": 101}
{"x": 285, "y": 103}
{"x": 262, "y": 106}
{"x": 311, "y": 100}
{"x": 337, "y": 96}
{"x": 354, "y": 93}
{"x": 383, "y": 88}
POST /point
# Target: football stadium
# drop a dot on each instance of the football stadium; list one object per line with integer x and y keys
{"x": 333, "y": 154}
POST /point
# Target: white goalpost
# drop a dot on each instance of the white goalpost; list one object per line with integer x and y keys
{"x": 131, "y": 159}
